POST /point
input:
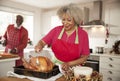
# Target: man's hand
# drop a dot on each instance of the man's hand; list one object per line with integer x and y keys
{"x": 14, "y": 51}
{"x": 4, "y": 43}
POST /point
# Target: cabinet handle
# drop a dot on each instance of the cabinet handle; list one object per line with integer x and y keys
{"x": 109, "y": 78}
{"x": 111, "y": 59}
{"x": 110, "y": 72}
{"x": 110, "y": 65}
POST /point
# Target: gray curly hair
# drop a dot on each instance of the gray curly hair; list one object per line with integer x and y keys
{"x": 73, "y": 11}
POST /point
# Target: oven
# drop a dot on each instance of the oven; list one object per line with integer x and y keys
{"x": 93, "y": 62}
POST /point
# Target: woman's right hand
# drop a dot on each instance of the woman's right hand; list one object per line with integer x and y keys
{"x": 39, "y": 46}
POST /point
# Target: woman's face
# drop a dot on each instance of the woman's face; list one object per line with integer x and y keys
{"x": 68, "y": 22}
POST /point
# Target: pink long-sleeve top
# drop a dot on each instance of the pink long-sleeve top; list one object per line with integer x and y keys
{"x": 82, "y": 35}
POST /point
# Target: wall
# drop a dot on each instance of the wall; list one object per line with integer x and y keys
{"x": 46, "y": 20}
{"x": 97, "y": 37}
{"x": 47, "y": 14}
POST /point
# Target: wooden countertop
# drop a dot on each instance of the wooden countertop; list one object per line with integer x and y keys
{"x": 8, "y": 57}
{"x": 13, "y": 79}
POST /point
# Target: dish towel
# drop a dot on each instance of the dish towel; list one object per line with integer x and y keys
{"x": 12, "y": 74}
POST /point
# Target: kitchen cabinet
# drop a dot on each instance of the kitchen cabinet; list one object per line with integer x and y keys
{"x": 7, "y": 65}
{"x": 115, "y": 31}
{"x": 110, "y": 67}
{"x": 112, "y": 17}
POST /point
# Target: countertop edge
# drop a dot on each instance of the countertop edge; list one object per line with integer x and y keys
{"x": 9, "y": 59}
{"x": 106, "y": 55}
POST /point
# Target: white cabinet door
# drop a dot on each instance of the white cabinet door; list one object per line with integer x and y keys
{"x": 109, "y": 67}
{"x": 112, "y": 11}
{"x": 112, "y": 17}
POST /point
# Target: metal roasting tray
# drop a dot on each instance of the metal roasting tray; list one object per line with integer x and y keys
{"x": 45, "y": 75}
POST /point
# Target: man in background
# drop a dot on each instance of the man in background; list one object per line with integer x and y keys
{"x": 16, "y": 38}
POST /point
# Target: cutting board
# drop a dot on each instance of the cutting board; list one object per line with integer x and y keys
{"x": 7, "y": 55}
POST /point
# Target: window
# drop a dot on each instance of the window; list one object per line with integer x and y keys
{"x": 7, "y": 18}
{"x": 55, "y": 21}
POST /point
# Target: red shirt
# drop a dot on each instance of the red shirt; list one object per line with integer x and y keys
{"x": 16, "y": 38}
{"x": 82, "y": 35}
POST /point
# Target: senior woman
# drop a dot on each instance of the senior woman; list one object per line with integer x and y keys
{"x": 69, "y": 42}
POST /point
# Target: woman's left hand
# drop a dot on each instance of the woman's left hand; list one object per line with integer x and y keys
{"x": 65, "y": 66}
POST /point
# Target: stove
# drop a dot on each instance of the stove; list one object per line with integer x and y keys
{"x": 93, "y": 62}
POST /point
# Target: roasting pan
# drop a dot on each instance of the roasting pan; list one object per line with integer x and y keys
{"x": 45, "y": 75}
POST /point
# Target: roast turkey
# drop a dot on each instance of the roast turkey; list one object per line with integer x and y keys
{"x": 38, "y": 63}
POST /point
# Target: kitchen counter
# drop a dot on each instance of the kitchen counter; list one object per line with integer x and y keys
{"x": 9, "y": 59}
{"x": 105, "y": 54}
{"x": 7, "y": 64}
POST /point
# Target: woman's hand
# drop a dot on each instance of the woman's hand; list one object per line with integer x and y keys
{"x": 65, "y": 66}
{"x": 39, "y": 46}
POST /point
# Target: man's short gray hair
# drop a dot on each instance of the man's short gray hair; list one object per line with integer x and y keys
{"x": 74, "y": 11}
